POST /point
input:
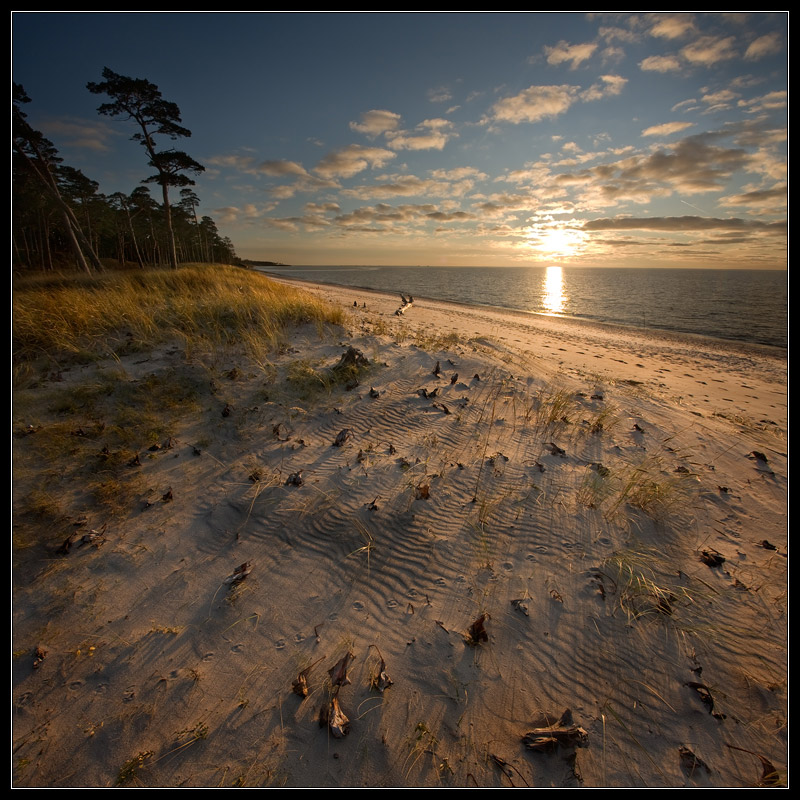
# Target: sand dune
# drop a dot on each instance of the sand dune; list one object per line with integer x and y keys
{"x": 509, "y": 517}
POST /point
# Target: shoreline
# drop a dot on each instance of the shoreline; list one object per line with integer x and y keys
{"x": 757, "y": 347}
{"x": 498, "y": 525}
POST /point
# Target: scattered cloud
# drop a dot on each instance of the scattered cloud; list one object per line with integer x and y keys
{"x": 672, "y": 26}
{"x": 351, "y": 160}
{"x": 709, "y": 50}
{"x": 766, "y": 45}
{"x": 661, "y": 64}
{"x": 666, "y": 129}
{"x": 376, "y": 122}
{"x": 572, "y": 54}
{"x": 535, "y": 103}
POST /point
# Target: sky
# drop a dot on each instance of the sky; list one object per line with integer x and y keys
{"x": 445, "y": 139}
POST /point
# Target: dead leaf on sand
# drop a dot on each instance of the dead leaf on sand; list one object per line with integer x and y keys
{"x": 380, "y": 681}
{"x": 240, "y": 573}
{"x": 300, "y": 686}
{"x": 477, "y": 632}
{"x": 690, "y": 762}
{"x": 423, "y": 491}
{"x": 338, "y": 672}
{"x": 706, "y": 697}
{"x": 769, "y": 775}
{"x": 342, "y": 437}
{"x": 547, "y": 736}
{"x": 331, "y": 714}
{"x": 712, "y": 558}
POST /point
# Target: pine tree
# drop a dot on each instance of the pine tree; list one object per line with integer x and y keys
{"x": 139, "y": 100}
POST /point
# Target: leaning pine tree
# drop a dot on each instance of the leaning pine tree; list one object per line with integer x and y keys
{"x": 139, "y": 100}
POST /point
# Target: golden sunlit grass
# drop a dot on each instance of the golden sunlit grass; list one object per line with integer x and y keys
{"x": 72, "y": 318}
{"x": 84, "y": 433}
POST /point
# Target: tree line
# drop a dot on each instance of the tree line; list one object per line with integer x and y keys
{"x": 62, "y": 220}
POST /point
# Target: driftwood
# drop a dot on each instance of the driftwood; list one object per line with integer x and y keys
{"x": 407, "y": 303}
{"x": 547, "y": 736}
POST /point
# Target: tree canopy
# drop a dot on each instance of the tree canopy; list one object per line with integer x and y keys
{"x": 140, "y": 101}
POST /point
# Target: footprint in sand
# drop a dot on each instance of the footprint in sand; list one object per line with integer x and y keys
{"x": 333, "y": 616}
{"x": 25, "y": 699}
{"x": 239, "y": 648}
{"x": 411, "y": 594}
{"x": 440, "y": 582}
{"x": 540, "y": 549}
{"x": 508, "y": 565}
{"x": 391, "y": 604}
{"x": 75, "y": 685}
{"x": 531, "y": 557}
{"x": 101, "y": 689}
{"x": 280, "y": 644}
{"x": 299, "y": 637}
{"x": 358, "y": 605}
{"x": 208, "y": 657}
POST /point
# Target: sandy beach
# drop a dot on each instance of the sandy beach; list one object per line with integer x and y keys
{"x": 517, "y": 552}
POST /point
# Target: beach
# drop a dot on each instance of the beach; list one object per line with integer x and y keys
{"x": 453, "y": 547}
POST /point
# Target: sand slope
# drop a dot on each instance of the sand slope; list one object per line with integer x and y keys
{"x": 560, "y": 481}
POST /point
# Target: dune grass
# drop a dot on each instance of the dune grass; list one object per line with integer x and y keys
{"x": 86, "y": 419}
{"x": 78, "y": 318}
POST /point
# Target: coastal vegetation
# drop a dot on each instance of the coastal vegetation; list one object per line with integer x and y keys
{"x": 62, "y": 221}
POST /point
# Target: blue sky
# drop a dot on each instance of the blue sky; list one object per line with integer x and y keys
{"x": 445, "y": 138}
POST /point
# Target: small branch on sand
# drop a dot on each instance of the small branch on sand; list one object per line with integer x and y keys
{"x": 407, "y": 303}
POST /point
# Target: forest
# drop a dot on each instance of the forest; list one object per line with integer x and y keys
{"x": 62, "y": 221}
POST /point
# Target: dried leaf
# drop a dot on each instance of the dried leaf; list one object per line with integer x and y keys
{"x": 712, "y": 558}
{"x": 477, "y": 632}
{"x": 342, "y": 437}
{"x": 769, "y": 775}
{"x": 521, "y": 605}
{"x": 240, "y": 573}
{"x": 706, "y": 697}
{"x": 423, "y": 491}
{"x": 338, "y": 672}
{"x": 548, "y": 736}
{"x": 332, "y": 715}
{"x": 555, "y": 449}
{"x": 767, "y": 545}
{"x": 300, "y": 686}
{"x": 380, "y": 681}
{"x": 295, "y": 479}
{"x": 690, "y": 762}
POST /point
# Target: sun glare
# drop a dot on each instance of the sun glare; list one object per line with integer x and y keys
{"x": 553, "y": 297}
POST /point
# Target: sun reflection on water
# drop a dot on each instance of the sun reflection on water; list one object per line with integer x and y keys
{"x": 553, "y": 297}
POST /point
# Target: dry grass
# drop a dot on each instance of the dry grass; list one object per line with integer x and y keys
{"x": 64, "y": 319}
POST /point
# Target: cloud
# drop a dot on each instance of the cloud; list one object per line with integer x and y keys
{"x": 609, "y": 86}
{"x": 412, "y": 186}
{"x": 439, "y": 95}
{"x": 666, "y": 128}
{"x": 766, "y": 200}
{"x": 767, "y": 102}
{"x": 535, "y": 103}
{"x": 661, "y": 64}
{"x": 574, "y": 54}
{"x": 672, "y": 26}
{"x": 681, "y": 224}
{"x": 88, "y": 135}
{"x": 374, "y": 123}
{"x": 280, "y": 168}
{"x": 459, "y": 173}
{"x": 351, "y": 160}
{"x": 766, "y": 45}
{"x": 709, "y": 50}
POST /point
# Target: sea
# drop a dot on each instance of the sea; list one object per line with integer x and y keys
{"x": 739, "y": 305}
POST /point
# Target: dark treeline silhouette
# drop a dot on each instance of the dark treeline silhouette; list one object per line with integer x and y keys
{"x": 62, "y": 221}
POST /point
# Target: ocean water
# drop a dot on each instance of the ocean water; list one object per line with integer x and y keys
{"x": 740, "y": 305}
